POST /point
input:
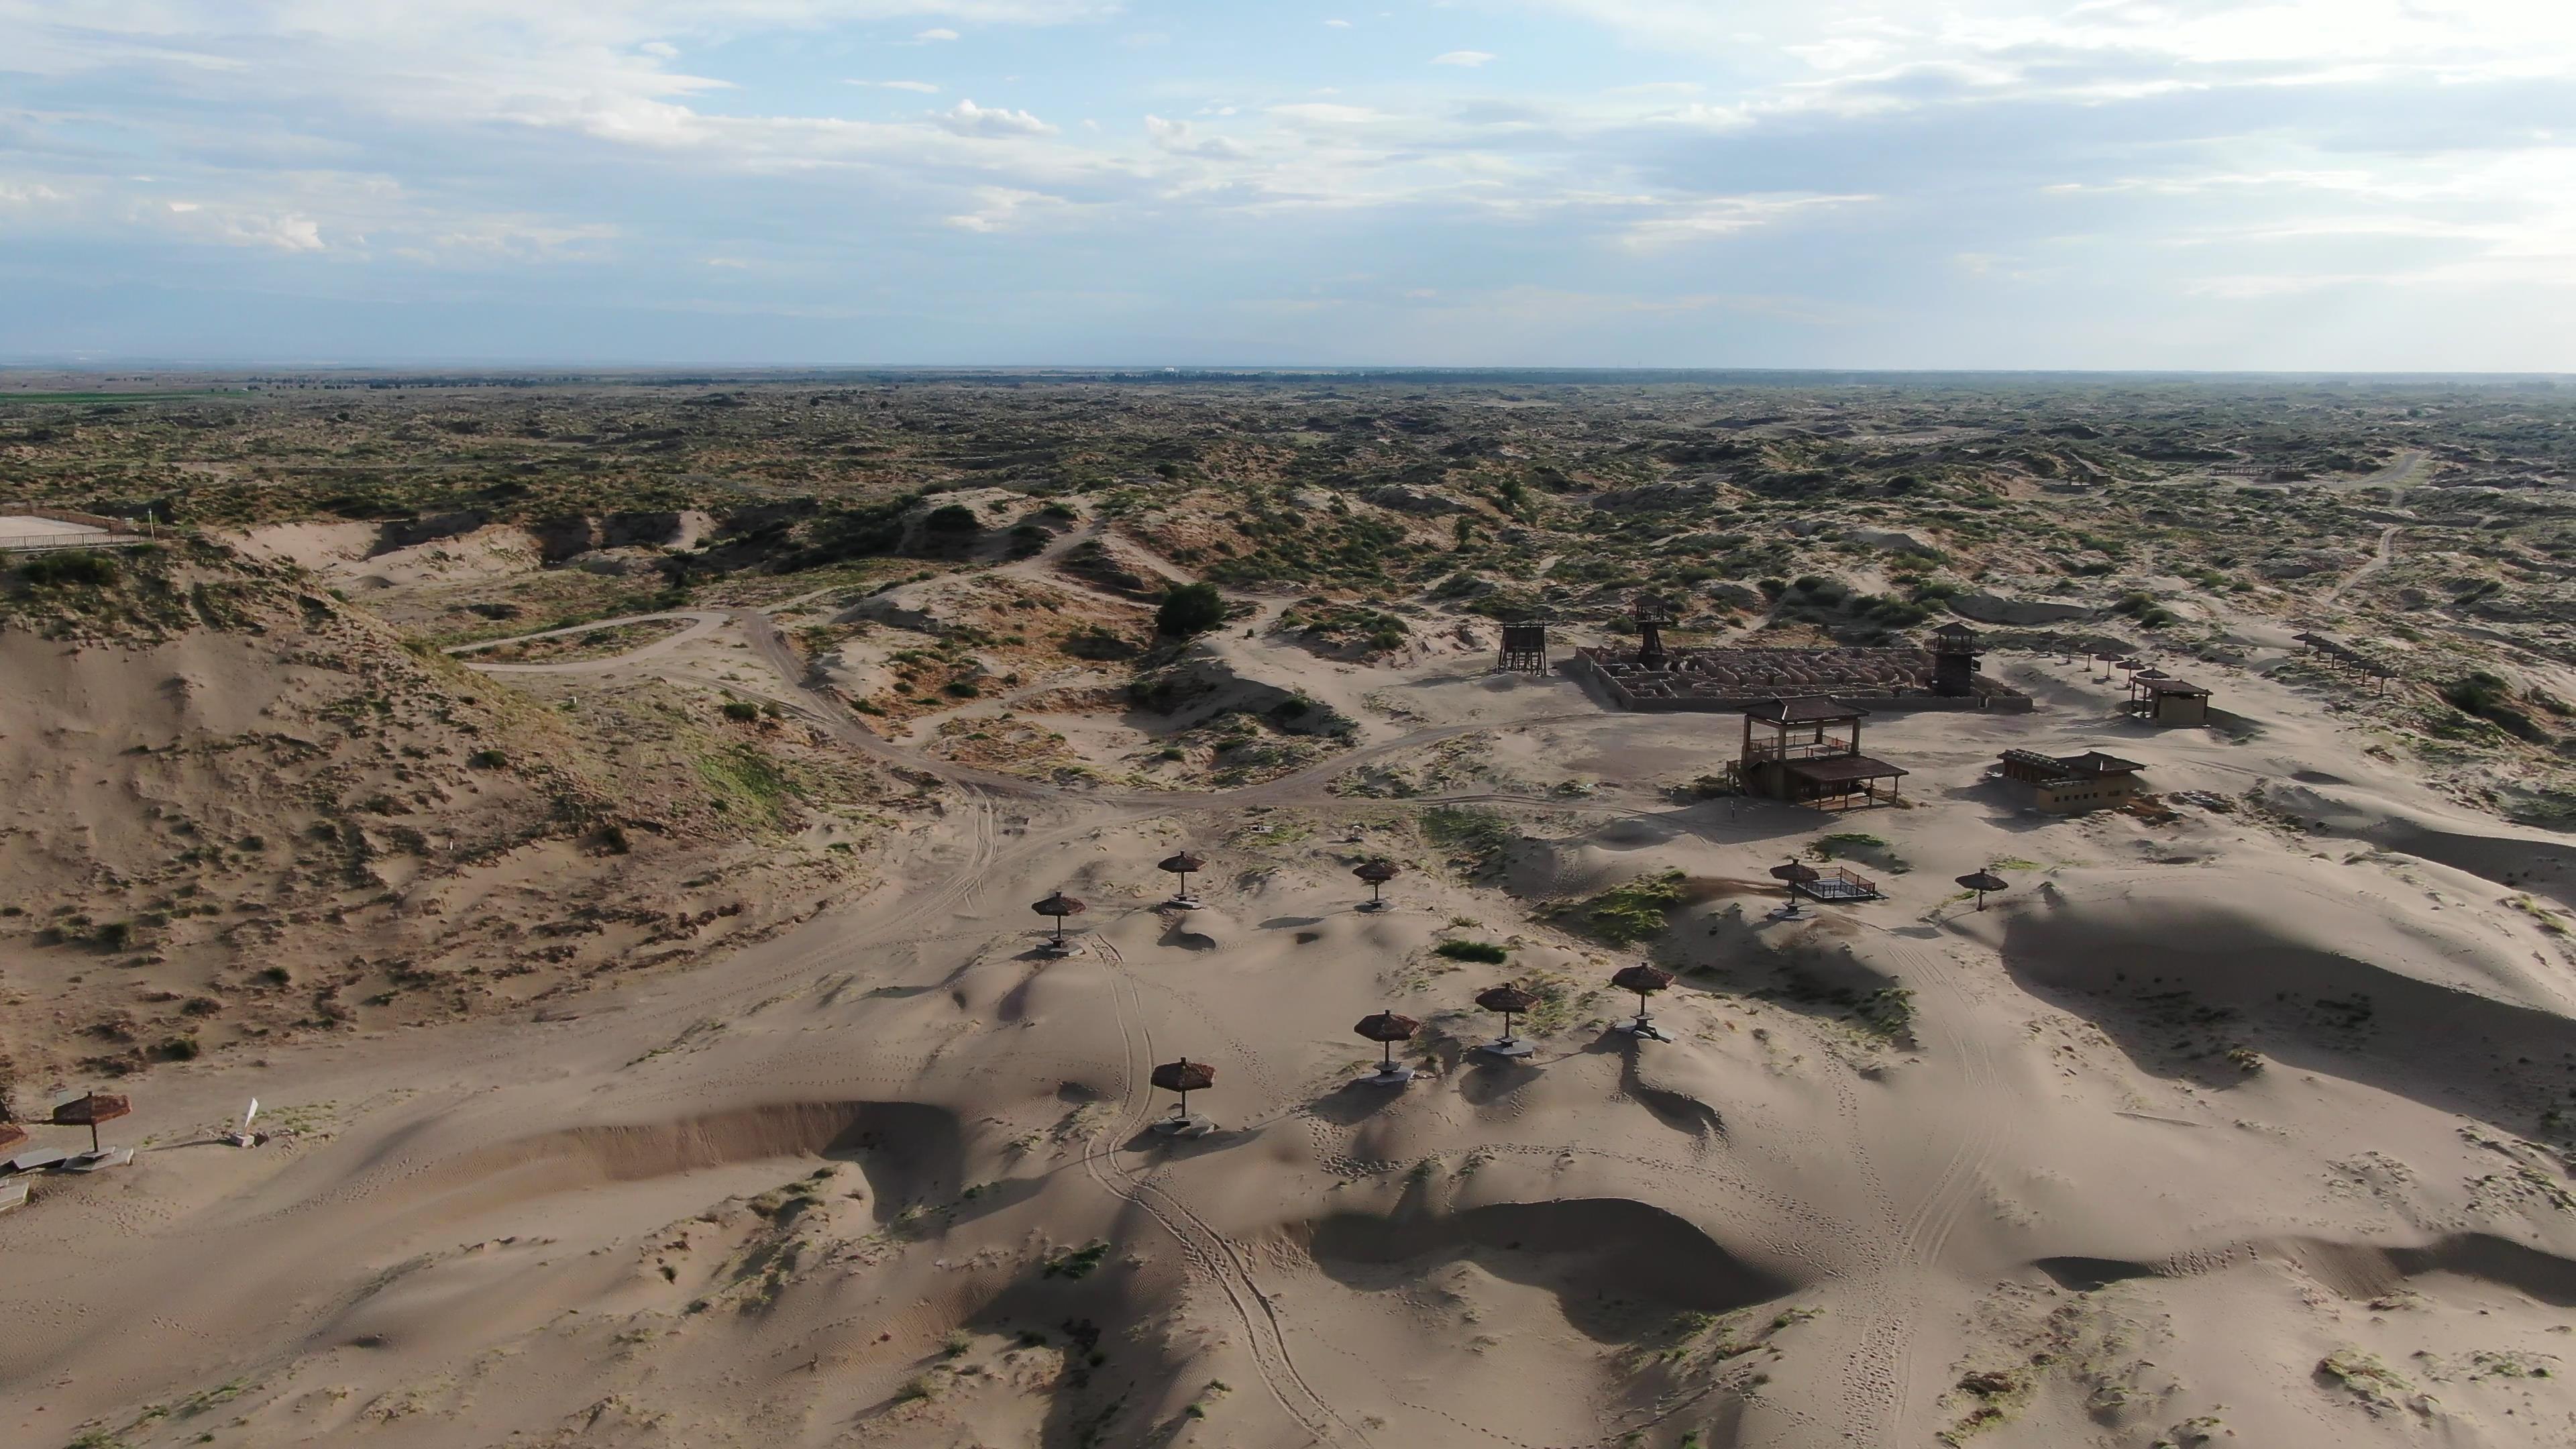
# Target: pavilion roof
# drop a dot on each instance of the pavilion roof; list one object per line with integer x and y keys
{"x": 1838, "y": 769}
{"x": 1806, "y": 709}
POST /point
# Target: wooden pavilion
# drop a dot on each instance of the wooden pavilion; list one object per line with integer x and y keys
{"x": 1811, "y": 754}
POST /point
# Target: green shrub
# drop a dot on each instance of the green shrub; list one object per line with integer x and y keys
{"x": 1188, "y": 610}
{"x": 1485, "y": 951}
{"x": 74, "y": 566}
{"x": 955, "y": 520}
{"x": 742, "y": 710}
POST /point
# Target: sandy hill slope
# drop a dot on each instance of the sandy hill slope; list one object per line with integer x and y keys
{"x": 241, "y": 809}
{"x": 2230, "y": 1118}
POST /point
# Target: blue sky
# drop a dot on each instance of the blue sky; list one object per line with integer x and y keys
{"x": 2222, "y": 184}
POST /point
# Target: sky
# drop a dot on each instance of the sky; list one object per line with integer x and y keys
{"x": 2121, "y": 184}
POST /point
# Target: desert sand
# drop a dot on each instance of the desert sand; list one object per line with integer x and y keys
{"x": 2215, "y": 1126}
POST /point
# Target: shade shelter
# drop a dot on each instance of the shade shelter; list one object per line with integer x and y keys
{"x": 1984, "y": 883}
{"x": 2069, "y": 784}
{"x": 2168, "y": 701}
{"x": 1183, "y": 865}
{"x": 1387, "y": 1028}
{"x": 1184, "y": 1076}
{"x": 1645, "y": 978}
{"x": 1377, "y": 871}
{"x": 1793, "y": 874}
{"x": 88, "y": 1110}
{"x": 1511, "y": 1000}
{"x": 1059, "y": 906}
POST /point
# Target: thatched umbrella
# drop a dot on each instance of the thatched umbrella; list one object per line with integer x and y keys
{"x": 88, "y": 1110}
{"x": 1181, "y": 865}
{"x": 1377, "y": 871}
{"x": 1645, "y": 978}
{"x": 1059, "y": 905}
{"x": 1184, "y": 1076}
{"x": 1983, "y": 881}
{"x": 2128, "y": 665}
{"x": 1511, "y": 999}
{"x": 1794, "y": 874}
{"x": 1388, "y": 1028}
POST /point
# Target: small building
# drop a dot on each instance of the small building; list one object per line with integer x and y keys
{"x": 1812, "y": 754}
{"x": 2169, "y": 701}
{"x": 2071, "y": 784}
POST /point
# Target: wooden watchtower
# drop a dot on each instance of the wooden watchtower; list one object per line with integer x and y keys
{"x": 1954, "y": 660}
{"x": 1652, "y": 614}
{"x": 1524, "y": 648}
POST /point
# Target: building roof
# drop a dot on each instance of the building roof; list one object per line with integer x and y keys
{"x": 1805, "y": 709}
{"x": 2172, "y": 686}
{"x": 2094, "y": 762}
{"x": 1841, "y": 769}
{"x": 2090, "y": 765}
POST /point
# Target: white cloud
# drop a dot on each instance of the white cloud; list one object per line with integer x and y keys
{"x": 1003, "y": 208}
{"x": 934, "y": 36}
{"x": 1711, "y": 218}
{"x": 970, "y": 119}
{"x": 1180, "y": 139}
{"x": 1337, "y": 24}
{"x": 1468, "y": 58}
{"x": 919, "y": 87}
{"x": 661, "y": 48}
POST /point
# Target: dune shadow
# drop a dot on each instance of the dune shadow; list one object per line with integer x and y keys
{"x": 1288, "y": 923}
{"x": 1488, "y": 1080}
{"x": 1358, "y": 1100}
{"x": 1619, "y": 1268}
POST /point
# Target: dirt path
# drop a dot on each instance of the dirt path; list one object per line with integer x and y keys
{"x": 2386, "y": 555}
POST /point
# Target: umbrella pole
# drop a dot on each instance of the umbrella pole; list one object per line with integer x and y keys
{"x": 1387, "y": 1058}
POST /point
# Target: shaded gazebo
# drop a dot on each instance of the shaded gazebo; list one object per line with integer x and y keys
{"x": 1984, "y": 882}
{"x": 1183, "y": 865}
{"x": 1387, "y": 1028}
{"x": 1645, "y": 978}
{"x": 1184, "y": 1077}
{"x": 90, "y": 1109}
{"x": 1377, "y": 871}
{"x": 1511, "y": 999}
{"x": 1793, "y": 874}
{"x": 1059, "y": 905}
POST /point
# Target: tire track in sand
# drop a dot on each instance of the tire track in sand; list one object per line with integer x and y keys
{"x": 1265, "y": 1336}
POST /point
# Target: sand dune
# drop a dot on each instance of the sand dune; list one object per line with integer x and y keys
{"x": 2195, "y": 1130}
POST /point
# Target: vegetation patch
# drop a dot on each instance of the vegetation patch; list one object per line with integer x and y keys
{"x": 1623, "y": 915}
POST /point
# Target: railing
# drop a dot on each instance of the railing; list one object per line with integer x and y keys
{"x": 1765, "y": 750}
{"x": 48, "y": 542}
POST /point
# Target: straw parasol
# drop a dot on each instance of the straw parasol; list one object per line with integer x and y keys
{"x": 88, "y": 1110}
{"x": 1184, "y": 1076}
{"x": 1377, "y": 871}
{"x": 1059, "y": 905}
{"x": 1794, "y": 874}
{"x": 1511, "y": 999}
{"x": 1182, "y": 865}
{"x": 1388, "y": 1028}
{"x": 1983, "y": 881}
{"x": 1645, "y": 978}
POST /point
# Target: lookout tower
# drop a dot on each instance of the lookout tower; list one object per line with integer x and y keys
{"x": 1954, "y": 660}
{"x": 1652, "y": 614}
{"x": 1524, "y": 648}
